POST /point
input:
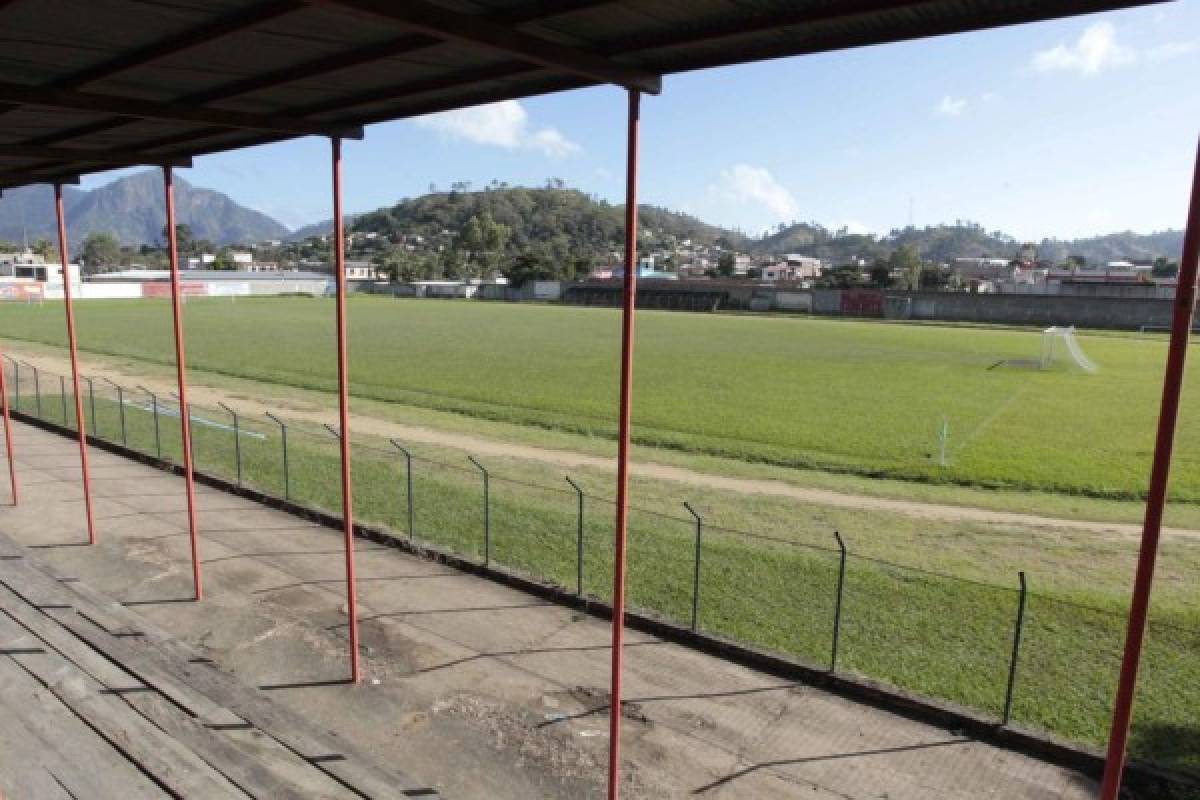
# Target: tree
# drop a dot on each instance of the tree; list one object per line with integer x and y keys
{"x": 905, "y": 262}
{"x": 529, "y": 267}
{"x": 726, "y": 264}
{"x": 100, "y": 250}
{"x": 935, "y": 278}
{"x": 45, "y": 249}
{"x": 483, "y": 240}
{"x": 880, "y": 274}
{"x": 184, "y": 240}
{"x": 224, "y": 260}
{"x": 1164, "y": 268}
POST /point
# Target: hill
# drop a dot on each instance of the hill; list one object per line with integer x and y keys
{"x": 941, "y": 243}
{"x": 562, "y": 223}
{"x": 322, "y": 228}
{"x": 565, "y": 223}
{"x": 132, "y": 209}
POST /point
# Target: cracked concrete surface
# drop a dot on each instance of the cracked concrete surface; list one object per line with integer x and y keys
{"x": 474, "y": 688}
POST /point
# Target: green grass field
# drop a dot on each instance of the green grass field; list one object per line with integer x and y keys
{"x": 919, "y": 629}
{"x": 860, "y": 397}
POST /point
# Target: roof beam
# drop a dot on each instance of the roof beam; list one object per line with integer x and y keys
{"x": 13, "y": 180}
{"x": 203, "y": 34}
{"x": 474, "y": 29}
{"x": 171, "y": 45}
{"x": 534, "y": 11}
{"x": 175, "y": 112}
{"x": 120, "y": 158}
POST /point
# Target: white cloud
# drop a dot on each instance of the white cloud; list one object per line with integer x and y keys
{"x": 853, "y": 226}
{"x": 504, "y": 124}
{"x": 1094, "y": 51}
{"x": 951, "y": 106}
{"x": 744, "y": 184}
{"x": 1169, "y": 50}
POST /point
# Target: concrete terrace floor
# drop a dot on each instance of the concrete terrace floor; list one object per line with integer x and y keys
{"x": 478, "y": 690}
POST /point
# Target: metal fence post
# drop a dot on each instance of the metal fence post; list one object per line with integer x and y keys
{"x": 237, "y": 441}
{"x": 1016, "y": 650}
{"x": 409, "y": 476}
{"x": 17, "y": 382}
{"x": 487, "y": 513}
{"x": 191, "y": 432}
{"x": 154, "y": 409}
{"x": 578, "y": 537}
{"x": 121, "y": 406}
{"x": 837, "y": 608}
{"x": 37, "y": 389}
{"x": 92, "y": 405}
{"x": 287, "y": 488}
{"x": 696, "y": 569}
{"x": 62, "y": 392}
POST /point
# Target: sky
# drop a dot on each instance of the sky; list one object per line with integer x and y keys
{"x": 1067, "y": 128}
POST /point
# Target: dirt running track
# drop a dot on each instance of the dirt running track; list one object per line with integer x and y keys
{"x": 204, "y": 395}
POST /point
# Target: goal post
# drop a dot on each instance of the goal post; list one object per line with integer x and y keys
{"x": 1056, "y": 340}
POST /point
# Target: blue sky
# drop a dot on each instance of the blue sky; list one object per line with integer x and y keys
{"x": 1067, "y": 128}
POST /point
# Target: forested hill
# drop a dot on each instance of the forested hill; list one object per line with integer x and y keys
{"x": 941, "y": 243}
{"x": 559, "y": 222}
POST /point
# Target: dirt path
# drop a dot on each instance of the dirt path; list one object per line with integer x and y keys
{"x": 209, "y": 396}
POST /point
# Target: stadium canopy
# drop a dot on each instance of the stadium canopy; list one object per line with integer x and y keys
{"x": 88, "y": 86}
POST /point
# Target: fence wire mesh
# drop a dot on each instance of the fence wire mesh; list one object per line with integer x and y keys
{"x": 933, "y": 634}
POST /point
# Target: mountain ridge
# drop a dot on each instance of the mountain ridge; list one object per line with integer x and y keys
{"x": 560, "y": 220}
{"x": 132, "y": 209}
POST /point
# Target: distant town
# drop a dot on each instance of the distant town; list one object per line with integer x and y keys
{"x": 558, "y": 244}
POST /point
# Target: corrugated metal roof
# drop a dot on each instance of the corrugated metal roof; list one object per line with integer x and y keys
{"x": 71, "y": 70}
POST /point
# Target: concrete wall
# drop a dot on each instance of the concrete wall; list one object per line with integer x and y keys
{"x": 794, "y": 301}
{"x": 1025, "y": 309}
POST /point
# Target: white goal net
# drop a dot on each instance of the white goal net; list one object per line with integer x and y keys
{"x": 1061, "y": 342}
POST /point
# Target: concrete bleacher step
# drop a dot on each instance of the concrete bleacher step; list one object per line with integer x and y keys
{"x": 144, "y": 701}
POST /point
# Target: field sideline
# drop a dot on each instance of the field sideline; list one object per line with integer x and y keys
{"x": 860, "y": 397}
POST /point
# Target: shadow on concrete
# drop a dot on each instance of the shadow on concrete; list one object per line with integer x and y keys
{"x": 164, "y": 601}
{"x": 789, "y": 762}
{"x": 285, "y": 553}
{"x": 342, "y": 581}
{"x": 273, "y": 687}
{"x": 630, "y": 705}
{"x": 534, "y": 651}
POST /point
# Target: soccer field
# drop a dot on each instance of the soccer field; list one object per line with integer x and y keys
{"x": 862, "y": 397}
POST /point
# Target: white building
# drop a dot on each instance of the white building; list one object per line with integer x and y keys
{"x": 360, "y": 271}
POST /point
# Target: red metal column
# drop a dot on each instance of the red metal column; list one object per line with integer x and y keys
{"x": 1181, "y": 324}
{"x": 185, "y": 411}
{"x": 71, "y": 341}
{"x": 339, "y": 268}
{"x": 627, "y": 314}
{"x": 8, "y": 440}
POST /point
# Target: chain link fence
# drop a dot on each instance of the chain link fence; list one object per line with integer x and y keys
{"x": 1016, "y": 652}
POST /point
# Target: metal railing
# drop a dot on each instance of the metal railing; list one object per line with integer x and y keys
{"x": 1006, "y": 651}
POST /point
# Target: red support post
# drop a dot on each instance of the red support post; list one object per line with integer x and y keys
{"x": 8, "y": 440}
{"x": 339, "y": 268}
{"x": 627, "y": 315}
{"x": 185, "y": 411}
{"x": 1181, "y": 325}
{"x": 71, "y": 341}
